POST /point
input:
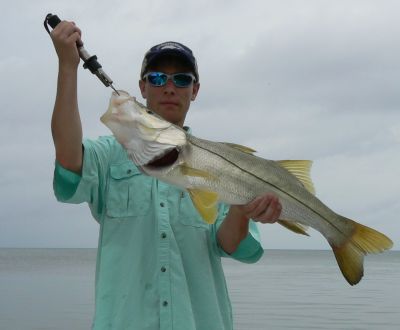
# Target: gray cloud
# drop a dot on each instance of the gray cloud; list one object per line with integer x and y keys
{"x": 293, "y": 79}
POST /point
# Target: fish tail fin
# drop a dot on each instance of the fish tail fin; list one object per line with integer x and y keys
{"x": 350, "y": 254}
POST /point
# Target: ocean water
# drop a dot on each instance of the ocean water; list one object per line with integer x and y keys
{"x": 54, "y": 289}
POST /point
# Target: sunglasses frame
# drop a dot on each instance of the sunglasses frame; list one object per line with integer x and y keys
{"x": 170, "y": 77}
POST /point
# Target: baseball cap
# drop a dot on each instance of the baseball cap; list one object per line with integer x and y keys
{"x": 169, "y": 48}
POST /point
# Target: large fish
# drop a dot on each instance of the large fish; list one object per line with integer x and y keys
{"x": 214, "y": 171}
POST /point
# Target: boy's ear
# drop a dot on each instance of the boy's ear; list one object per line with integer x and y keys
{"x": 142, "y": 86}
{"x": 196, "y": 87}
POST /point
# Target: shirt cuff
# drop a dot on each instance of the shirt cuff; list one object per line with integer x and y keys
{"x": 250, "y": 249}
{"x": 65, "y": 182}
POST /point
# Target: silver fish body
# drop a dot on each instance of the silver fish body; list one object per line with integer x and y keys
{"x": 238, "y": 177}
{"x": 214, "y": 171}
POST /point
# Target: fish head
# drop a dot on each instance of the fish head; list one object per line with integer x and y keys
{"x": 145, "y": 135}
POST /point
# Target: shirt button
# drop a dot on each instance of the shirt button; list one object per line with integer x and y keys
{"x": 162, "y": 204}
{"x": 165, "y": 303}
{"x": 129, "y": 171}
{"x": 163, "y": 235}
{"x": 163, "y": 269}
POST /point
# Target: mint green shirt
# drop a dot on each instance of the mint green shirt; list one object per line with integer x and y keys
{"x": 158, "y": 263}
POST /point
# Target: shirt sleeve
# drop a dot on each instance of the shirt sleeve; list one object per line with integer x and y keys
{"x": 249, "y": 249}
{"x": 70, "y": 187}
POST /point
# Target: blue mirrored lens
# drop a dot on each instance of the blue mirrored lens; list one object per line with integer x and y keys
{"x": 182, "y": 80}
{"x": 160, "y": 79}
{"x": 157, "y": 78}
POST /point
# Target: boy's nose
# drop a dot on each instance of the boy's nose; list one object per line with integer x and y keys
{"x": 169, "y": 86}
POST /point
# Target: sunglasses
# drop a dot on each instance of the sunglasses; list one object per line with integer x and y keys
{"x": 159, "y": 79}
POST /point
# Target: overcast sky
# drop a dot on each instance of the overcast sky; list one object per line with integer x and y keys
{"x": 293, "y": 79}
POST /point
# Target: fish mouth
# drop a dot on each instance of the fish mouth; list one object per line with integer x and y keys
{"x": 166, "y": 159}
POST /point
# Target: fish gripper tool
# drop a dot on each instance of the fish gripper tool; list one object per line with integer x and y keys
{"x": 89, "y": 61}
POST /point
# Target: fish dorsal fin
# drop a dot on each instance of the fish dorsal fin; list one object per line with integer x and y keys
{"x": 294, "y": 227}
{"x": 301, "y": 170}
{"x": 245, "y": 149}
{"x": 205, "y": 203}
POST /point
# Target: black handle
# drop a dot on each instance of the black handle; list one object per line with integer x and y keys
{"x": 51, "y": 20}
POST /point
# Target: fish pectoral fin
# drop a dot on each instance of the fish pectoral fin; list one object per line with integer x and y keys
{"x": 245, "y": 149}
{"x": 301, "y": 170}
{"x": 205, "y": 203}
{"x": 294, "y": 227}
{"x": 190, "y": 171}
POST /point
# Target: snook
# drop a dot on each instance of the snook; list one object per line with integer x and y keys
{"x": 213, "y": 171}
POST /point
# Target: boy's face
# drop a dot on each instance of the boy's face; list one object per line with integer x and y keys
{"x": 170, "y": 102}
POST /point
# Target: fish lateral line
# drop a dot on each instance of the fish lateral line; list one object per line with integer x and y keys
{"x": 269, "y": 183}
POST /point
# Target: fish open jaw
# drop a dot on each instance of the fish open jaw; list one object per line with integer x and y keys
{"x": 168, "y": 158}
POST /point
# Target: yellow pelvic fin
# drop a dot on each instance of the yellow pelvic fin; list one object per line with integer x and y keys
{"x": 205, "y": 203}
{"x": 190, "y": 171}
{"x": 350, "y": 255}
{"x": 245, "y": 149}
{"x": 294, "y": 226}
{"x": 301, "y": 170}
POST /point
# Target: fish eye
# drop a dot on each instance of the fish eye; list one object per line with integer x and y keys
{"x": 149, "y": 112}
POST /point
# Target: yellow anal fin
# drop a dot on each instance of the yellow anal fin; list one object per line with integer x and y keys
{"x": 205, "y": 203}
{"x": 245, "y": 149}
{"x": 294, "y": 227}
{"x": 350, "y": 255}
{"x": 301, "y": 170}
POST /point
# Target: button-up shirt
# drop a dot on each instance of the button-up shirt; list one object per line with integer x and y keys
{"x": 158, "y": 263}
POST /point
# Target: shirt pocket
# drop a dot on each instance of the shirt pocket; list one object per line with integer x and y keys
{"x": 188, "y": 215}
{"x": 129, "y": 191}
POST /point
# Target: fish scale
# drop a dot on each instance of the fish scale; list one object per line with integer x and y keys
{"x": 298, "y": 205}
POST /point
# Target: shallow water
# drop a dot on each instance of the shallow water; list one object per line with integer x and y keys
{"x": 54, "y": 289}
{"x": 305, "y": 290}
